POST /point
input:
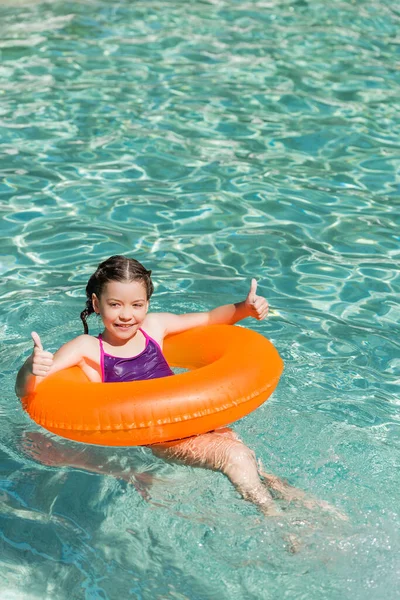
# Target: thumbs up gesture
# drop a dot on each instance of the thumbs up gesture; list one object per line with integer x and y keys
{"x": 257, "y": 306}
{"x": 41, "y": 361}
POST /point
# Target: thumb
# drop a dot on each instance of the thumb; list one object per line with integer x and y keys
{"x": 36, "y": 340}
{"x": 253, "y": 290}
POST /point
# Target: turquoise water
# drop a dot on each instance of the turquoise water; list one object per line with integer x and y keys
{"x": 214, "y": 141}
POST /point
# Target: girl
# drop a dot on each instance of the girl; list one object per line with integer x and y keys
{"x": 130, "y": 348}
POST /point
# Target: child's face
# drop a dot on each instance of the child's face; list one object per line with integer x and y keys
{"x": 122, "y": 307}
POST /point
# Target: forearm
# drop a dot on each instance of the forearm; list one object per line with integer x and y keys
{"x": 228, "y": 314}
{"x": 26, "y": 381}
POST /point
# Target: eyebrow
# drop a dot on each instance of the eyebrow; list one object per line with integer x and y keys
{"x": 118, "y": 300}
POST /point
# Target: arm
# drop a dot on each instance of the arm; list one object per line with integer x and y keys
{"x": 41, "y": 363}
{"x": 253, "y": 306}
{"x": 26, "y": 381}
{"x": 34, "y": 369}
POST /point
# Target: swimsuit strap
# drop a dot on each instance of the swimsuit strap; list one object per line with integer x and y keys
{"x": 146, "y": 335}
{"x": 101, "y": 356}
{"x": 149, "y": 338}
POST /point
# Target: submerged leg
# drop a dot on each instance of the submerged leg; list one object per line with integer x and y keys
{"x": 222, "y": 451}
{"x": 88, "y": 458}
{"x": 282, "y": 489}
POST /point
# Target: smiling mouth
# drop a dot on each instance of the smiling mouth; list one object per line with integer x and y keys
{"x": 124, "y": 326}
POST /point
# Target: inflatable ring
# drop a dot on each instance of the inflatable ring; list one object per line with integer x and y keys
{"x": 232, "y": 371}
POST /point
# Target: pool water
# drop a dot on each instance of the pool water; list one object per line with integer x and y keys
{"x": 215, "y": 141}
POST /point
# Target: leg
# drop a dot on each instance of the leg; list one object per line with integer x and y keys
{"x": 222, "y": 451}
{"x": 88, "y": 458}
{"x": 54, "y": 454}
{"x": 282, "y": 489}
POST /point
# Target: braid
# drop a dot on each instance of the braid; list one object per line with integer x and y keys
{"x": 115, "y": 268}
{"x": 91, "y": 288}
{"x": 86, "y": 313}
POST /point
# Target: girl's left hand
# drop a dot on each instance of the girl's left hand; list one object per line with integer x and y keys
{"x": 257, "y": 306}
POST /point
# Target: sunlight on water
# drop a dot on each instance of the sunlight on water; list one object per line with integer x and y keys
{"x": 215, "y": 141}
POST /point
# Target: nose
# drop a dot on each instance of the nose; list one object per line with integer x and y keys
{"x": 126, "y": 314}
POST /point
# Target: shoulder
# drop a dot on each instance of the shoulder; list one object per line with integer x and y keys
{"x": 159, "y": 325}
{"x": 80, "y": 345}
{"x": 75, "y": 351}
{"x": 87, "y": 343}
{"x": 154, "y": 325}
{"x": 84, "y": 340}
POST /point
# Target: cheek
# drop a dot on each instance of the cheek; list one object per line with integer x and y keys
{"x": 107, "y": 313}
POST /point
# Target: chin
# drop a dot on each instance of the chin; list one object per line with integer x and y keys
{"x": 125, "y": 331}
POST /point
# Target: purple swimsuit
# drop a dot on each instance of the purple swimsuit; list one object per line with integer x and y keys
{"x": 149, "y": 364}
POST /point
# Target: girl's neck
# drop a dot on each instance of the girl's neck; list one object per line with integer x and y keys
{"x": 116, "y": 342}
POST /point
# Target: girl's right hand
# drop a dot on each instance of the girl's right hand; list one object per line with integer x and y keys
{"x": 42, "y": 361}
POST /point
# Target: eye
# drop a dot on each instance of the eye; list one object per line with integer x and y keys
{"x": 113, "y": 304}
{"x": 138, "y": 305}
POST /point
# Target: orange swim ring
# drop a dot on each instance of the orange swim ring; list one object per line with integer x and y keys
{"x": 232, "y": 371}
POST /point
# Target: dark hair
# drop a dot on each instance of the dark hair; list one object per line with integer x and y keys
{"x": 115, "y": 268}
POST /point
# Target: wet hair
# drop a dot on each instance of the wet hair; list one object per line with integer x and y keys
{"x": 115, "y": 268}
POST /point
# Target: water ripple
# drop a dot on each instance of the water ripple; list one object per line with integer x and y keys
{"x": 214, "y": 141}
